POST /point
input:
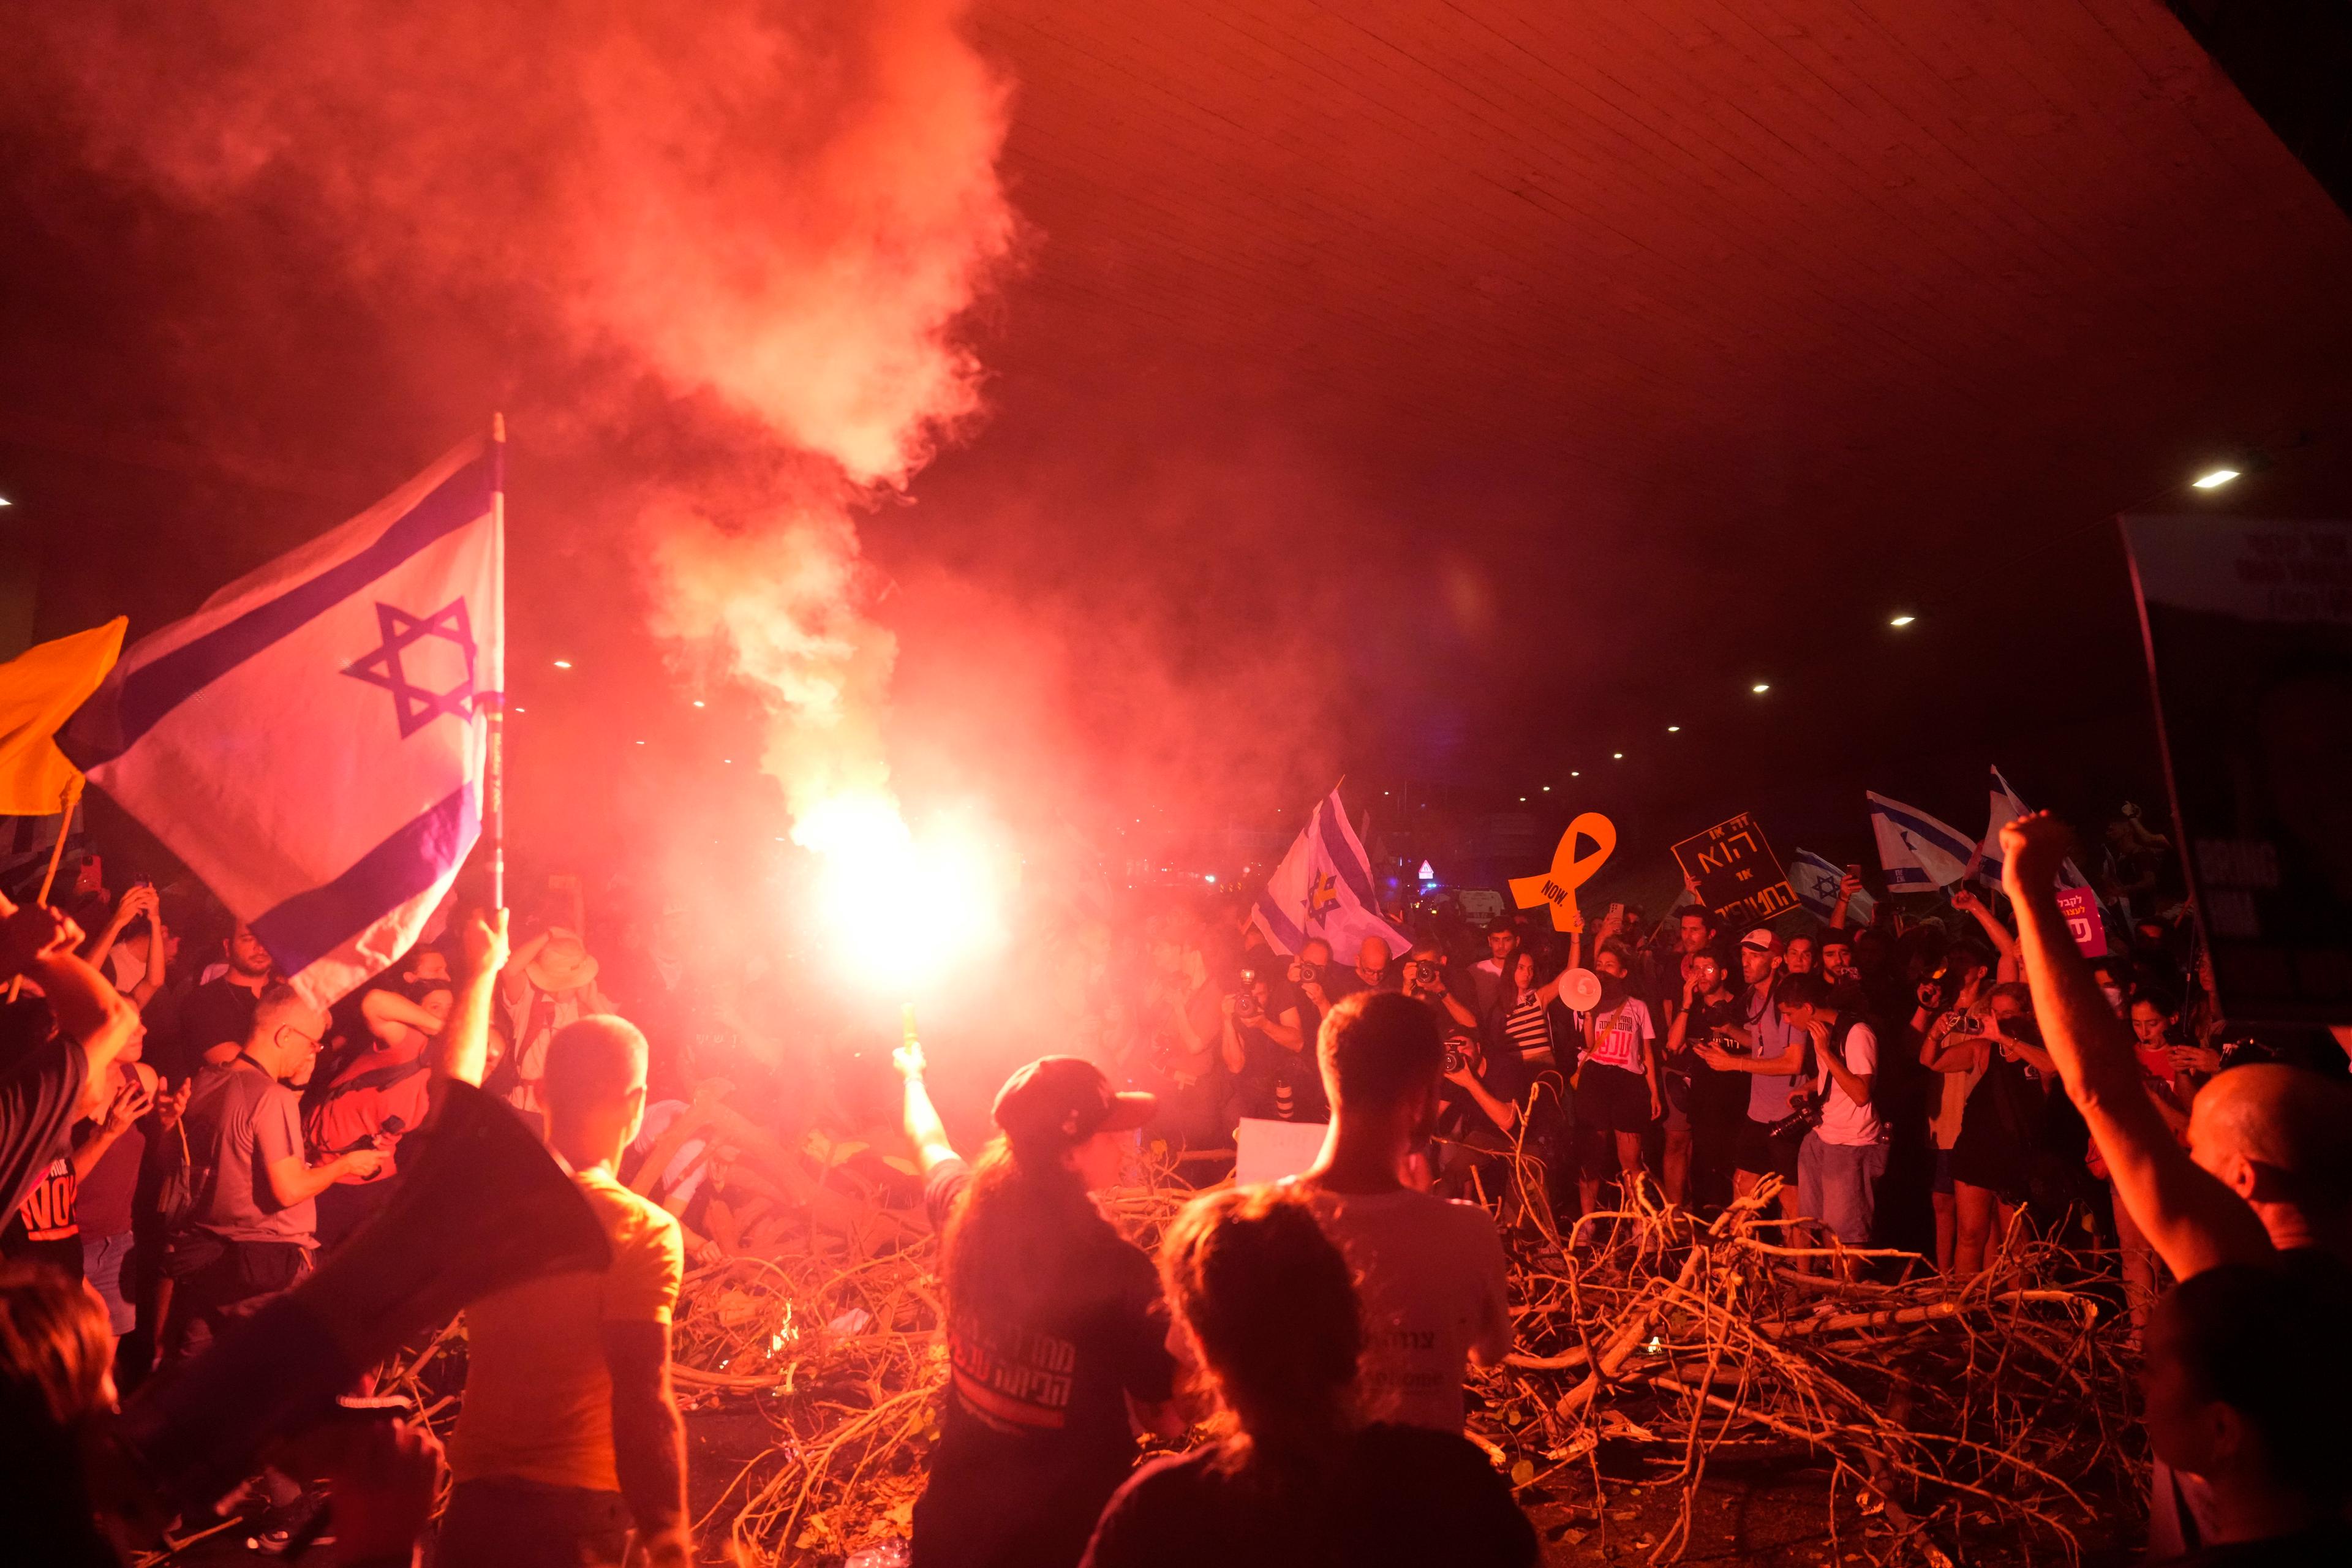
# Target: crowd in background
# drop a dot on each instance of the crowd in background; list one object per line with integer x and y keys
{"x": 1905, "y": 1080}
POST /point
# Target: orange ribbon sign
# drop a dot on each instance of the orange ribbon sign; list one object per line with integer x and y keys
{"x": 1569, "y": 871}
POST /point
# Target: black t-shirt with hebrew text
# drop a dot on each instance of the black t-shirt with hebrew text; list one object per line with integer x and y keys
{"x": 1035, "y": 1436}
{"x": 41, "y": 1078}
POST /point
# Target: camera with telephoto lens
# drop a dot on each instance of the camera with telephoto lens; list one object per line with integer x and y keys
{"x": 1305, "y": 973}
{"x": 1802, "y": 1120}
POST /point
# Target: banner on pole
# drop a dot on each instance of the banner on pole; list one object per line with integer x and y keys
{"x": 2248, "y": 628}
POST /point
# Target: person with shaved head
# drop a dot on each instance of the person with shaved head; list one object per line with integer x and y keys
{"x": 2265, "y": 1180}
{"x": 569, "y": 1440}
{"x": 252, "y": 1221}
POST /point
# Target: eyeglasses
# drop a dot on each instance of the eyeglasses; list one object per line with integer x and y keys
{"x": 316, "y": 1042}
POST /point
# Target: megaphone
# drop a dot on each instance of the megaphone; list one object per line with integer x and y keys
{"x": 481, "y": 1206}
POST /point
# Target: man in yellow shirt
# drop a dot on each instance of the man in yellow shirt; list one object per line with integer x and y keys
{"x": 568, "y": 1437}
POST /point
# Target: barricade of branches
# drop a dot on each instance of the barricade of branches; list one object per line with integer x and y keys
{"x": 842, "y": 1354}
{"x": 1998, "y": 1411}
{"x": 1995, "y": 1413}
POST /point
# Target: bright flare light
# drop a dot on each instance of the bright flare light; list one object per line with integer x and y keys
{"x": 902, "y": 909}
{"x": 2214, "y": 480}
{"x": 1902, "y": 620}
{"x": 1760, "y": 688}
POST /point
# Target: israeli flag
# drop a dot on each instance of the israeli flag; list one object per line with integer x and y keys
{"x": 1324, "y": 889}
{"x": 2007, "y": 808}
{"x": 1814, "y": 880}
{"x": 1919, "y": 853}
{"x": 311, "y": 741}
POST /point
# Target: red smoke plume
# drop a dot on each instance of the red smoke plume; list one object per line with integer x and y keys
{"x": 776, "y": 211}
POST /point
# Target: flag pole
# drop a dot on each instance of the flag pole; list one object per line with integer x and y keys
{"x": 56, "y": 853}
{"x": 494, "y": 718}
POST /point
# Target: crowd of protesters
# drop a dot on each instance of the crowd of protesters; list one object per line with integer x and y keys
{"x": 182, "y": 1131}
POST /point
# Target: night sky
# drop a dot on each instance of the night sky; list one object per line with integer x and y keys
{"x": 1445, "y": 397}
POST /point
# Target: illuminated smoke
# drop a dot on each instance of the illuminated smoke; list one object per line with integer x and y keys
{"x": 777, "y": 212}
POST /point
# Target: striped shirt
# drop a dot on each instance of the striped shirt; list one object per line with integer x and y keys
{"x": 1528, "y": 1024}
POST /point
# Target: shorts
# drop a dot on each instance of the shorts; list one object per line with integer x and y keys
{"x": 1678, "y": 1094}
{"x": 1758, "y": 1154}
{"x": 105, "y": 1261}
{"x": 1942, "y": 1184}
{"x": 1995, "y": 1164}
{"x": 1611, "y": 1099}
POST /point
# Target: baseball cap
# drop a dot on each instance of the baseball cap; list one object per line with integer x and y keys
{"x": 1761, "y": 939}
{"x": 1066, "y": 1101}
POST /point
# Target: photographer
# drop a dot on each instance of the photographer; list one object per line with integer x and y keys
{"x": 2001, "y": 1135}
{"x": 1765, "y": 1045}
{"x": 1425, "y": 982}
{"x": 1263, "y": 1050}
{"x": 1842, "y": 1157}
{"x": 1310, "y": 975}
{"x": 1478, "y": 1110}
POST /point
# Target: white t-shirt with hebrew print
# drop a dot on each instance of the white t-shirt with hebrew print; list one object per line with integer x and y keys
{"x": 1430, "y": 1278}
{"x": 1619, "y": 1033}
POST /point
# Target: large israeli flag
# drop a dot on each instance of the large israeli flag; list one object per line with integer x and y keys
{"x": 311, "y": 741}
{"x": 1324, "y": 889}
{"x": 1919, "y": 853}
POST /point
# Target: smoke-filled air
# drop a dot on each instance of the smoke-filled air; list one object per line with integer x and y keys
{"x": 776, "y": 214}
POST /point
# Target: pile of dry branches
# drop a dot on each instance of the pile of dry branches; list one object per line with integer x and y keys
{"x": 1954, "y": 1419}
{"x": 1994, "y": 1411}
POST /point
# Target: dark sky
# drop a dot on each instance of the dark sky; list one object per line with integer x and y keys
{"x": 1451, "y": 396}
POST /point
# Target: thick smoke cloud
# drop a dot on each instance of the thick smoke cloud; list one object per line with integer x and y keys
{"x": 777, "y": 213}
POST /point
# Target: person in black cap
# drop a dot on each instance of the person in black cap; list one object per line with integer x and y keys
{"x": 1056, "y": 1323}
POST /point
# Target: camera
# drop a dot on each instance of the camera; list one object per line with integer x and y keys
{"x": 1802, "y": 1121}
{"x": 1305, "y": 973}
{"x": 1245, "y": 1002}
{"x": 1425, "y": 972}
{"x": 1457, "y": 1053}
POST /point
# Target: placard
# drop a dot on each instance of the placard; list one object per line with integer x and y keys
{"x": 2247, "y": 627}
{"x": 2080, "y": 907}
{"x": 1267, "y": 1151}
{"x": 1568, "y": 870}
{"x": 1480, "y": 904}
{"x": 1739, "y": 876}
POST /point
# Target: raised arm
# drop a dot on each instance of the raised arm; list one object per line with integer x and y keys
{"x": 461, "y": 1050}
{"x": 38, "y": 944}
{"x": 925, "y": 1130}
{"x": 2003, "y": 943}
{"x": 2189, "y": 1216}
{"x": 126, "y": 909}
{"x": 384, "y": 1008}
{"x": 1848, "y": 886}
{"x": 159, "y": 949}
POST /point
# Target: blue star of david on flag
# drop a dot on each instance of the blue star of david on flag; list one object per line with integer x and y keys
{"x": 416, "y": 705}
